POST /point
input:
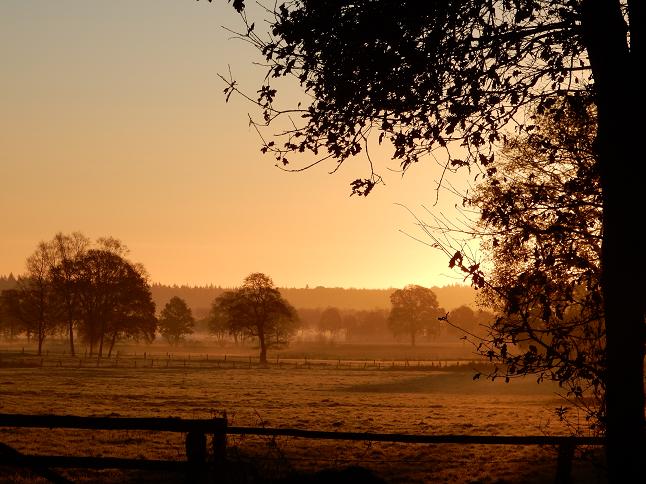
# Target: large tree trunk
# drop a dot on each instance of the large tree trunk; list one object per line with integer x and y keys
{"x": 620, "y": 104}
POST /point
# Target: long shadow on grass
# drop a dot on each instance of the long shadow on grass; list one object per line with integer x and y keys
{"x": 452, "y": 382}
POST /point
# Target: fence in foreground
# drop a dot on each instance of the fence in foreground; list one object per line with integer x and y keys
{"x": 196, "y": 431}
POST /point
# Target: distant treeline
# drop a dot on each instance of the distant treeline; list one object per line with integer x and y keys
{"x": 361, "y": 314}
{"x": 200, "y": 298}
{"x": 8, "y": 282}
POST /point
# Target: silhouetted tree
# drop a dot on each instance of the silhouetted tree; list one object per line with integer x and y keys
{"x": 37, "y": 308}
{"x": 11, "y": 323}
{"x": 541, "y": 227}
{"x": 176, "y": 320}
{"x": 430, "y": 73}
{"x": 463, "y": 321}
{"x": 217, "y": 323}
{"x": 258, "y": 310}
{"x": 331, "y": 321}
{"x": 134, "y": 316}
{"x": 30, "y": 306}
{"x": 415, "y": 311}
{"x": 114, "y": 299}
{"x": 350, "y": 323}
{"x": 367, "y": 326}
{"x": 66, "y": 249}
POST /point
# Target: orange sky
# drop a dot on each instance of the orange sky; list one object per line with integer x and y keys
{"x": 114, "y": 123}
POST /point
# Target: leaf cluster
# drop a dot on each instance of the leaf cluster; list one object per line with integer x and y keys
{"x": 421, "y": 75}
{"x": 541, "y": 216}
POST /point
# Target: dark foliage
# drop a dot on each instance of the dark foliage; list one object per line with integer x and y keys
{"x": 256, "y": 310}
{"x": 453, "y": 75}
{"x": 540, "y": 224}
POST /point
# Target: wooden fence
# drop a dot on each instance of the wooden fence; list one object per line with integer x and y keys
{"x": 196, "y": 431}
{"x": 166, "y": 360}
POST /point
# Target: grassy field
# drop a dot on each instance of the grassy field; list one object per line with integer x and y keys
{"x": 332, "y": 388}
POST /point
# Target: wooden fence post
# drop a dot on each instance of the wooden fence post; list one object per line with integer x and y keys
{"x": 220, "y": 444}
{"x": 196, "y": 456}
{"x": 564, "y": 462}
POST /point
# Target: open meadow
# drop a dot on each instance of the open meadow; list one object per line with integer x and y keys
{"x": 326, "y": 387}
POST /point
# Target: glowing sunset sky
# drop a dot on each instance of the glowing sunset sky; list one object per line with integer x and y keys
{"x": 114, "y": 123}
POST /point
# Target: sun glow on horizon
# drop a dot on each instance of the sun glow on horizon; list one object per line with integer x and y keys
{"x": 114, "y": 124}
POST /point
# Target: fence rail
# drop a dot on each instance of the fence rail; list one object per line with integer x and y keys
{"x": 161, "y": 424}
{"x": 197, "y": 429}
{"x": 163, "y": 360}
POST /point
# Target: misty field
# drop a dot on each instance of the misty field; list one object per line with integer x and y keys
{"x": 315, "y": 388}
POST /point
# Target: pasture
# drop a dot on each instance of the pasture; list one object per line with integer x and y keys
{"x": 325, "y": 387}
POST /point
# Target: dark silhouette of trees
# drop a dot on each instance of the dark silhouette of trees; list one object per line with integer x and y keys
{"x": 358, "y": 325}
{"x": 36, "y": 307}
{"x": 463, "y": 321}
{"x": 11, "y": 324}
{"x": 331, "y": 321}
{"x": 218, "y": 327}
{"x": 470, "y": 324}
{"x": 452, "y": 76}
{"x": 70, "y": 287}
{"x": 114, "y": 299}
{"x": 219, "y": 322}
{"x": 66, "y": 249}
{"x": 414, "y": 312}
{"x": 176, "y": 320}
{"x": 45, "y": 299}
{"x": 200, "y": 298}
{"x": 258, "y": 310}
{"x": 540, "y": 224}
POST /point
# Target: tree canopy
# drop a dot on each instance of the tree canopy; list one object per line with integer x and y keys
{"x": 453, "y": 77}
{"x": 422, "y": 74}
{"x": 331, "y": 321}
{"x": 176, "y": 320}
{"x": 114, "y": 300}
{"x": 540, "y": 226}
{"x": 415, "y": 311}
{"x": 70, "y": 286}
{"x": 258, "y": 310}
